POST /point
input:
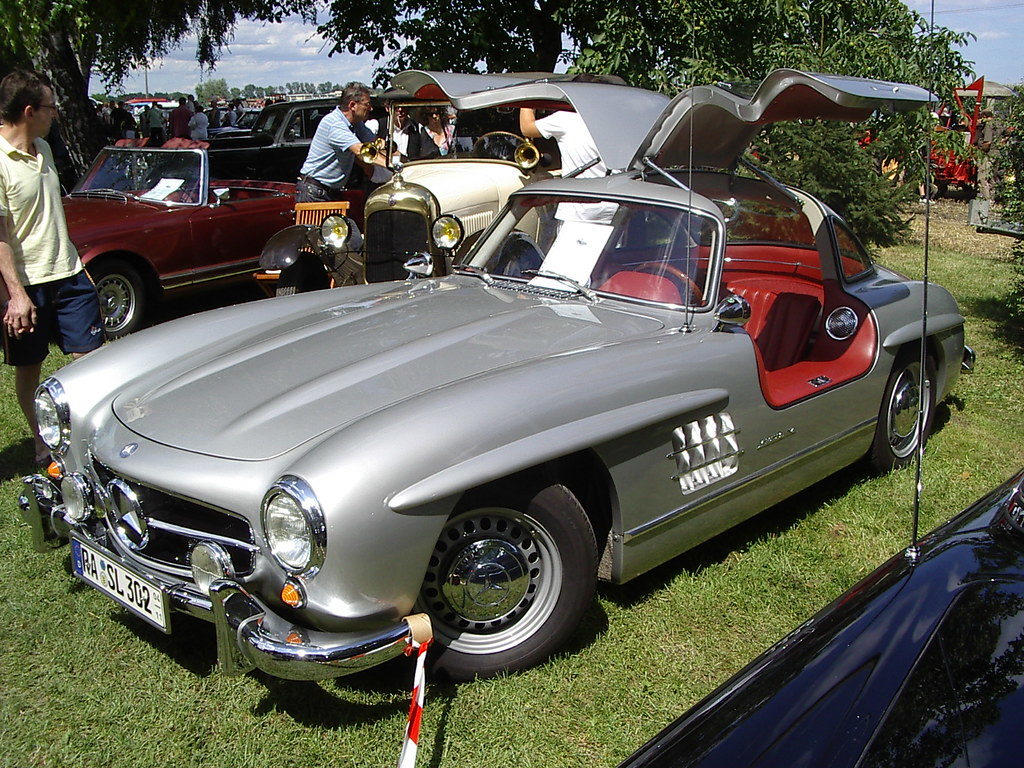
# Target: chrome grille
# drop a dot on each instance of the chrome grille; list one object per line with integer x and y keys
{"x": 392, "y": 237}
{"x": 175, "y": 524}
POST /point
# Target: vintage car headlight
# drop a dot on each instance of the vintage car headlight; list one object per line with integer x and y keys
{"x": 293, "y": 524}
{"x": 335, "y": 231}
{"x": 76, "y": 491}
{"x": 209, "y": 562}
{"x": 446, "y": 232}
{"x": 53, "y": 415}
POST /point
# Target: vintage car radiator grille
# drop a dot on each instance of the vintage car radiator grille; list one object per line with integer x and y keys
{"x": 391, "y": 238}
{"x": 174, "y": 524}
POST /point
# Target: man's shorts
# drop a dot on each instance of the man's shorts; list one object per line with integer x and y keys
{"x": 67, "y": 314}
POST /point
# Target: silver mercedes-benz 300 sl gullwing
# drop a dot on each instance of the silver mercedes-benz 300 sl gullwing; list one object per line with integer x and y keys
{"x": 618, "y": 370}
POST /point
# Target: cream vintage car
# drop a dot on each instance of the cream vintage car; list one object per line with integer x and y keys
{"x": 417, "y": 210}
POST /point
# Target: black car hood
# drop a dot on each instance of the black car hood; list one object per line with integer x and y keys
{"x": 916, "y": 665}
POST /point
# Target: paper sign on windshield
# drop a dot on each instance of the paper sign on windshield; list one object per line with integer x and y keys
{"x": 163, "y": 188}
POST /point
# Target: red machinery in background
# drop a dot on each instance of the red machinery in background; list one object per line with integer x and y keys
{"x": 952, "y": 166}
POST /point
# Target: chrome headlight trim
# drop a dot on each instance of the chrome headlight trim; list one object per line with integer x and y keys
{"x": 446, "y": 231}
{"x": 299, "y": 491}
{"x": 53, "y": 415}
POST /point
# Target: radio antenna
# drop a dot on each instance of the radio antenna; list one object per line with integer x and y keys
{"x": 925, "y": 394}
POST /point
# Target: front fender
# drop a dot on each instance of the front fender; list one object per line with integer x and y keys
{"x": 283, "y": 249}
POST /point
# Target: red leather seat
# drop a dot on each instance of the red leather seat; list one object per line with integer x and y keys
{"x": 641, "y": 285}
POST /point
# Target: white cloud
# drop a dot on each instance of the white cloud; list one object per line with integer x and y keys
{"x": 261, "y": 54}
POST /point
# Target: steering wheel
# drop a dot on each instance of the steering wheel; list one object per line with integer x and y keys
{"x": 518, "y": 254}
{"x": 481, "y": 149}
{"x": 684, "y": 280}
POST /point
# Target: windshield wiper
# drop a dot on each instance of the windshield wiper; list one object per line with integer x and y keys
{"x": 469, "y": 269}
{"x": 580, "y": 288}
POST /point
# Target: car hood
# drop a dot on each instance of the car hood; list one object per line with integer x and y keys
{"x": 334, "y": 360}
{"x": 92, "y": 217}
{"x": 712, "y": 126}
{"x": 616, "y": 140}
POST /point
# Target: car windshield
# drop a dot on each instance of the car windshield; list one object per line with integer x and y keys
{"x": 439, "y": 132}
{"x": 589, "y": 246}
{"x": 156, "y": 175}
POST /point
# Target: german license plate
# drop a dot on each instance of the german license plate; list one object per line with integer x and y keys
{"x": 136, "y": 593}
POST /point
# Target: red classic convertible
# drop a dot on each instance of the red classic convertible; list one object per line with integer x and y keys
{"x": 150, "y": 221}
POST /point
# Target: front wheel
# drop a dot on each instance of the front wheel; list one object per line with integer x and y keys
{"x": 898, "y": 430}
{"x": 122, "y": 295}
{"x": 508, "y": 583}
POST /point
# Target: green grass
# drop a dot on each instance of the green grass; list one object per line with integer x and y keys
{"x": 86, "y": 685}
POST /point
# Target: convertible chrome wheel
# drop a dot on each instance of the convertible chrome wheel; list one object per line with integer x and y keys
{"x": 898, "y": 432}
{"x": 505, "y": 587}
{"x": 121, "y": 295}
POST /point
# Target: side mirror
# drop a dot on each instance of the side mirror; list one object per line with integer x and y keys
{"x": 222, "y": 194}
{"x": 733, "y": 310}
{"x": 420, "y": 265}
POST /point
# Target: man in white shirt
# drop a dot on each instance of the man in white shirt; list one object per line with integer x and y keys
{"x": 46, "y": 293}
{"x": 577, "y": 148}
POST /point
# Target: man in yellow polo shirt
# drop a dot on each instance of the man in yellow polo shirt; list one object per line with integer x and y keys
{"x": 46, "y": 292}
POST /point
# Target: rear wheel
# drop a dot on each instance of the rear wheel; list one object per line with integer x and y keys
{"x": 122, "y": 295}
{"x": 898, "y": 431}
{"x": 508, "y": 583}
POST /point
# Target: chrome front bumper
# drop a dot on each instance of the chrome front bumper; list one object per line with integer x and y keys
{"x": 249, "y": 635}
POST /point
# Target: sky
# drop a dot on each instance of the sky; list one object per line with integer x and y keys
{"x": 274, "y": 54}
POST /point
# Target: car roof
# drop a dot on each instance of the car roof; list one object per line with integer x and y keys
{"x": 711, "y": 126}
{"x": 616, "y": 115}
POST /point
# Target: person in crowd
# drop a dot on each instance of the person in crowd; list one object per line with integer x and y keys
{"x": 213, "y": 114}
{"x": 230, "y": 119}
{"x": 180, "y": 117}
{"x": 154, "y": 121}
{"x": 334, "y": 150}
{"x": 191, "y": 104}
{"x": 124, "y": 123}
{"x": 47, "y": 295}
{"x": 440, "y": 130}
{"x": 198, "y": 125}
{"x": 987, "y": 139}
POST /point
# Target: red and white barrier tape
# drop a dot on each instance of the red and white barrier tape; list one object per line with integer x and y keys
{"x": 419, "y": 683}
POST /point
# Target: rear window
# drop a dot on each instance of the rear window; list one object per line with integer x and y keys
{"x": 762, "y": 221}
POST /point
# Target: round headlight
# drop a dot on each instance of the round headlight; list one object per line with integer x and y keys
{"x": 446, "y": 232}
{"x": 294, "y": 525}
{"x": 209, "y": 562}
{"x": 76, "y": 491}
{"x": 53, "y": 416}
{"x": 335, "y": 231}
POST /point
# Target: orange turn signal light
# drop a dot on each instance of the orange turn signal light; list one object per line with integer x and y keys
{"x": 53, "y": 470}
{"x": 292, "y": 594}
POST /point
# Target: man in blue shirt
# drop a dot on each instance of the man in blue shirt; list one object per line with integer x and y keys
{"x": 335, "y": 148}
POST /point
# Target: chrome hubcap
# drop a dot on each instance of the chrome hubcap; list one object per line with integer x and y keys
{"x": 117, "y": 301}
{"x": 904, "y": 407}
{"x": 493, "y": 578}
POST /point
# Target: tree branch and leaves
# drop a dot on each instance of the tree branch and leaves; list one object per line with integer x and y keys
{"x": 69, "y": 39}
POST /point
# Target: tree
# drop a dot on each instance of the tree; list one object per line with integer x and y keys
{"x": 211, "y": 89}
{"x": 462, "y": 36}
{"x": 69, "y": 39}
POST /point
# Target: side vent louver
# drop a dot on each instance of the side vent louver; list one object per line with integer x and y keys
{"x": 705, "y": 451}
